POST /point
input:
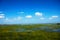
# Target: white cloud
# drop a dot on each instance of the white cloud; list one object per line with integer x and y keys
{"x": 2, "y": 16}
{"x": 42, "y": 18}
{"x": 28, "y": 16}
{"x": 54, "y": 16}
{"x": 38, "y": 14}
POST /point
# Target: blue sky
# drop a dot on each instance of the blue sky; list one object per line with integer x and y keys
{"x": 29, "y": 11}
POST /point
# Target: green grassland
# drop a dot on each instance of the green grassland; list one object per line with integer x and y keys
{"x": 29, "y": 35}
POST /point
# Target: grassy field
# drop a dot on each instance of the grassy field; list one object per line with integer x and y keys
{"x": 29, "y": 35}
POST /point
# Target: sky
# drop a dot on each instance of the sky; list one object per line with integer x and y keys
{"x": 29, "y": 11}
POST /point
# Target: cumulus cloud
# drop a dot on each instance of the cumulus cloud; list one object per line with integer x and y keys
{"x": 53, "y": 17}
{"x": 38, "y": 14}
{"x": 28, "y": 16}
{"x": 2, "y": 16}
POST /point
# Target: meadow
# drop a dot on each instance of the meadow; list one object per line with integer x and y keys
{"x": 29, "y": 32}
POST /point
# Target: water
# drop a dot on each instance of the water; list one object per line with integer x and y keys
{"x": 48, "y": 29}
{"x": 56, "y": 30}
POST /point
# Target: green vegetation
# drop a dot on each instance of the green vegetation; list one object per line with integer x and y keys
{"x": 34, "y": 35}
{"x": 29, "y": 35}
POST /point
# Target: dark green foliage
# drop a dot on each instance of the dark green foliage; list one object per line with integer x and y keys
{"x": 58, "y": 23}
